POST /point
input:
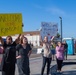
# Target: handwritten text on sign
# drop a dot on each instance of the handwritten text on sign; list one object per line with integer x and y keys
{"x": 48, "y": 29}
{"x": 10, "y": 24}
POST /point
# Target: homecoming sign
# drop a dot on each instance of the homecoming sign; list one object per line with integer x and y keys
{"x": 10, "y": 24}
{"x": 48, "y": 29}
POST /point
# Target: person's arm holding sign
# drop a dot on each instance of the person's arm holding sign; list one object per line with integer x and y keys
{"x": 41, "y": 41}
{"x": 17, "y": 39}
{"x": 1, "y": 40}
{"x": 52, "y": 38}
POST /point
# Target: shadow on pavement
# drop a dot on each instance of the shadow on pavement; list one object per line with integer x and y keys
{"x": 69, "y": 73}
{"x": 68, "y": 63}
{"x": 53, "y": 69}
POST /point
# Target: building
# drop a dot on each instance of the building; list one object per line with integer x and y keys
{"x": 33, "y": 37}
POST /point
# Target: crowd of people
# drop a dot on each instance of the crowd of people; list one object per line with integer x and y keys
{"x": 10, "y": 57}
{"x": 19, "y": 51}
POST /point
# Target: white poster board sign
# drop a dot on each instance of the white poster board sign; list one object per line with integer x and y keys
{"x": 48, "y": 29}
{"x": 39, "y": 50}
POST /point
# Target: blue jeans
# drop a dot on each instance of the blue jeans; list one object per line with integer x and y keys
{"x": 48, "y": 62}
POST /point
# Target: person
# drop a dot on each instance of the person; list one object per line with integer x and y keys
{"x": 1, "y": 48}
{"x": 47, "y": 56}
{"x": 66, "y": 49}
{"x": 24, "y": 52}
{"x": 1, "y": 52}
{"x": 75, "y": 46}
{"x": 59, "y": 56}
{"x": 9, "y": 56}
{"x": 53, "y": 46}
{"x": 31, "y": 44}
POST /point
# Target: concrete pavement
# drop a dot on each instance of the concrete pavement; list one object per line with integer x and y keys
{"x": 69, "y": 66}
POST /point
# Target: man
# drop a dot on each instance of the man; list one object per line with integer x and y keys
{"x": 66, "y": 49}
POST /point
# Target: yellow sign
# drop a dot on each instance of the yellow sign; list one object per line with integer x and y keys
{"x": 10, "y": 24}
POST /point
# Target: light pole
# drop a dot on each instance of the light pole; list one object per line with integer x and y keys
{"x": 61, "y": 28}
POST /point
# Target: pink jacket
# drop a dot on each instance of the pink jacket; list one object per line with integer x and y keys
{"x": 60, "y": 53}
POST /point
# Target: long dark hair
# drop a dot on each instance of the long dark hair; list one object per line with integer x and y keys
{"x": 59, "y": 42}
{"x": 9, "y": 37}
{"x": 21, "y": 40}
{"x": 44, "y": 39}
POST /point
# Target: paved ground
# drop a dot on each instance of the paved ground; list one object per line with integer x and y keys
{"x": 69, "y": 66}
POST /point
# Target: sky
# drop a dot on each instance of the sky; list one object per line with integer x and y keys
{"x": 36, "y": 11}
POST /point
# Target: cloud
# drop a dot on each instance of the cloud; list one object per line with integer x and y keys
{"x": 37, "y": 6}
{"x": 53, "y": 10}
{"x": 56, "y": 11}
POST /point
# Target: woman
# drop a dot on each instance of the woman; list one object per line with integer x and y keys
{"x": 47, "y": 56}
{"x": 59, "y": 56}
{"x": 1, "y": 51}
{"x": 53, "y": 46}
{"x": 9, "y": 56}
{"x": 24, "y": 51}
{"x": 66, "y": 49}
